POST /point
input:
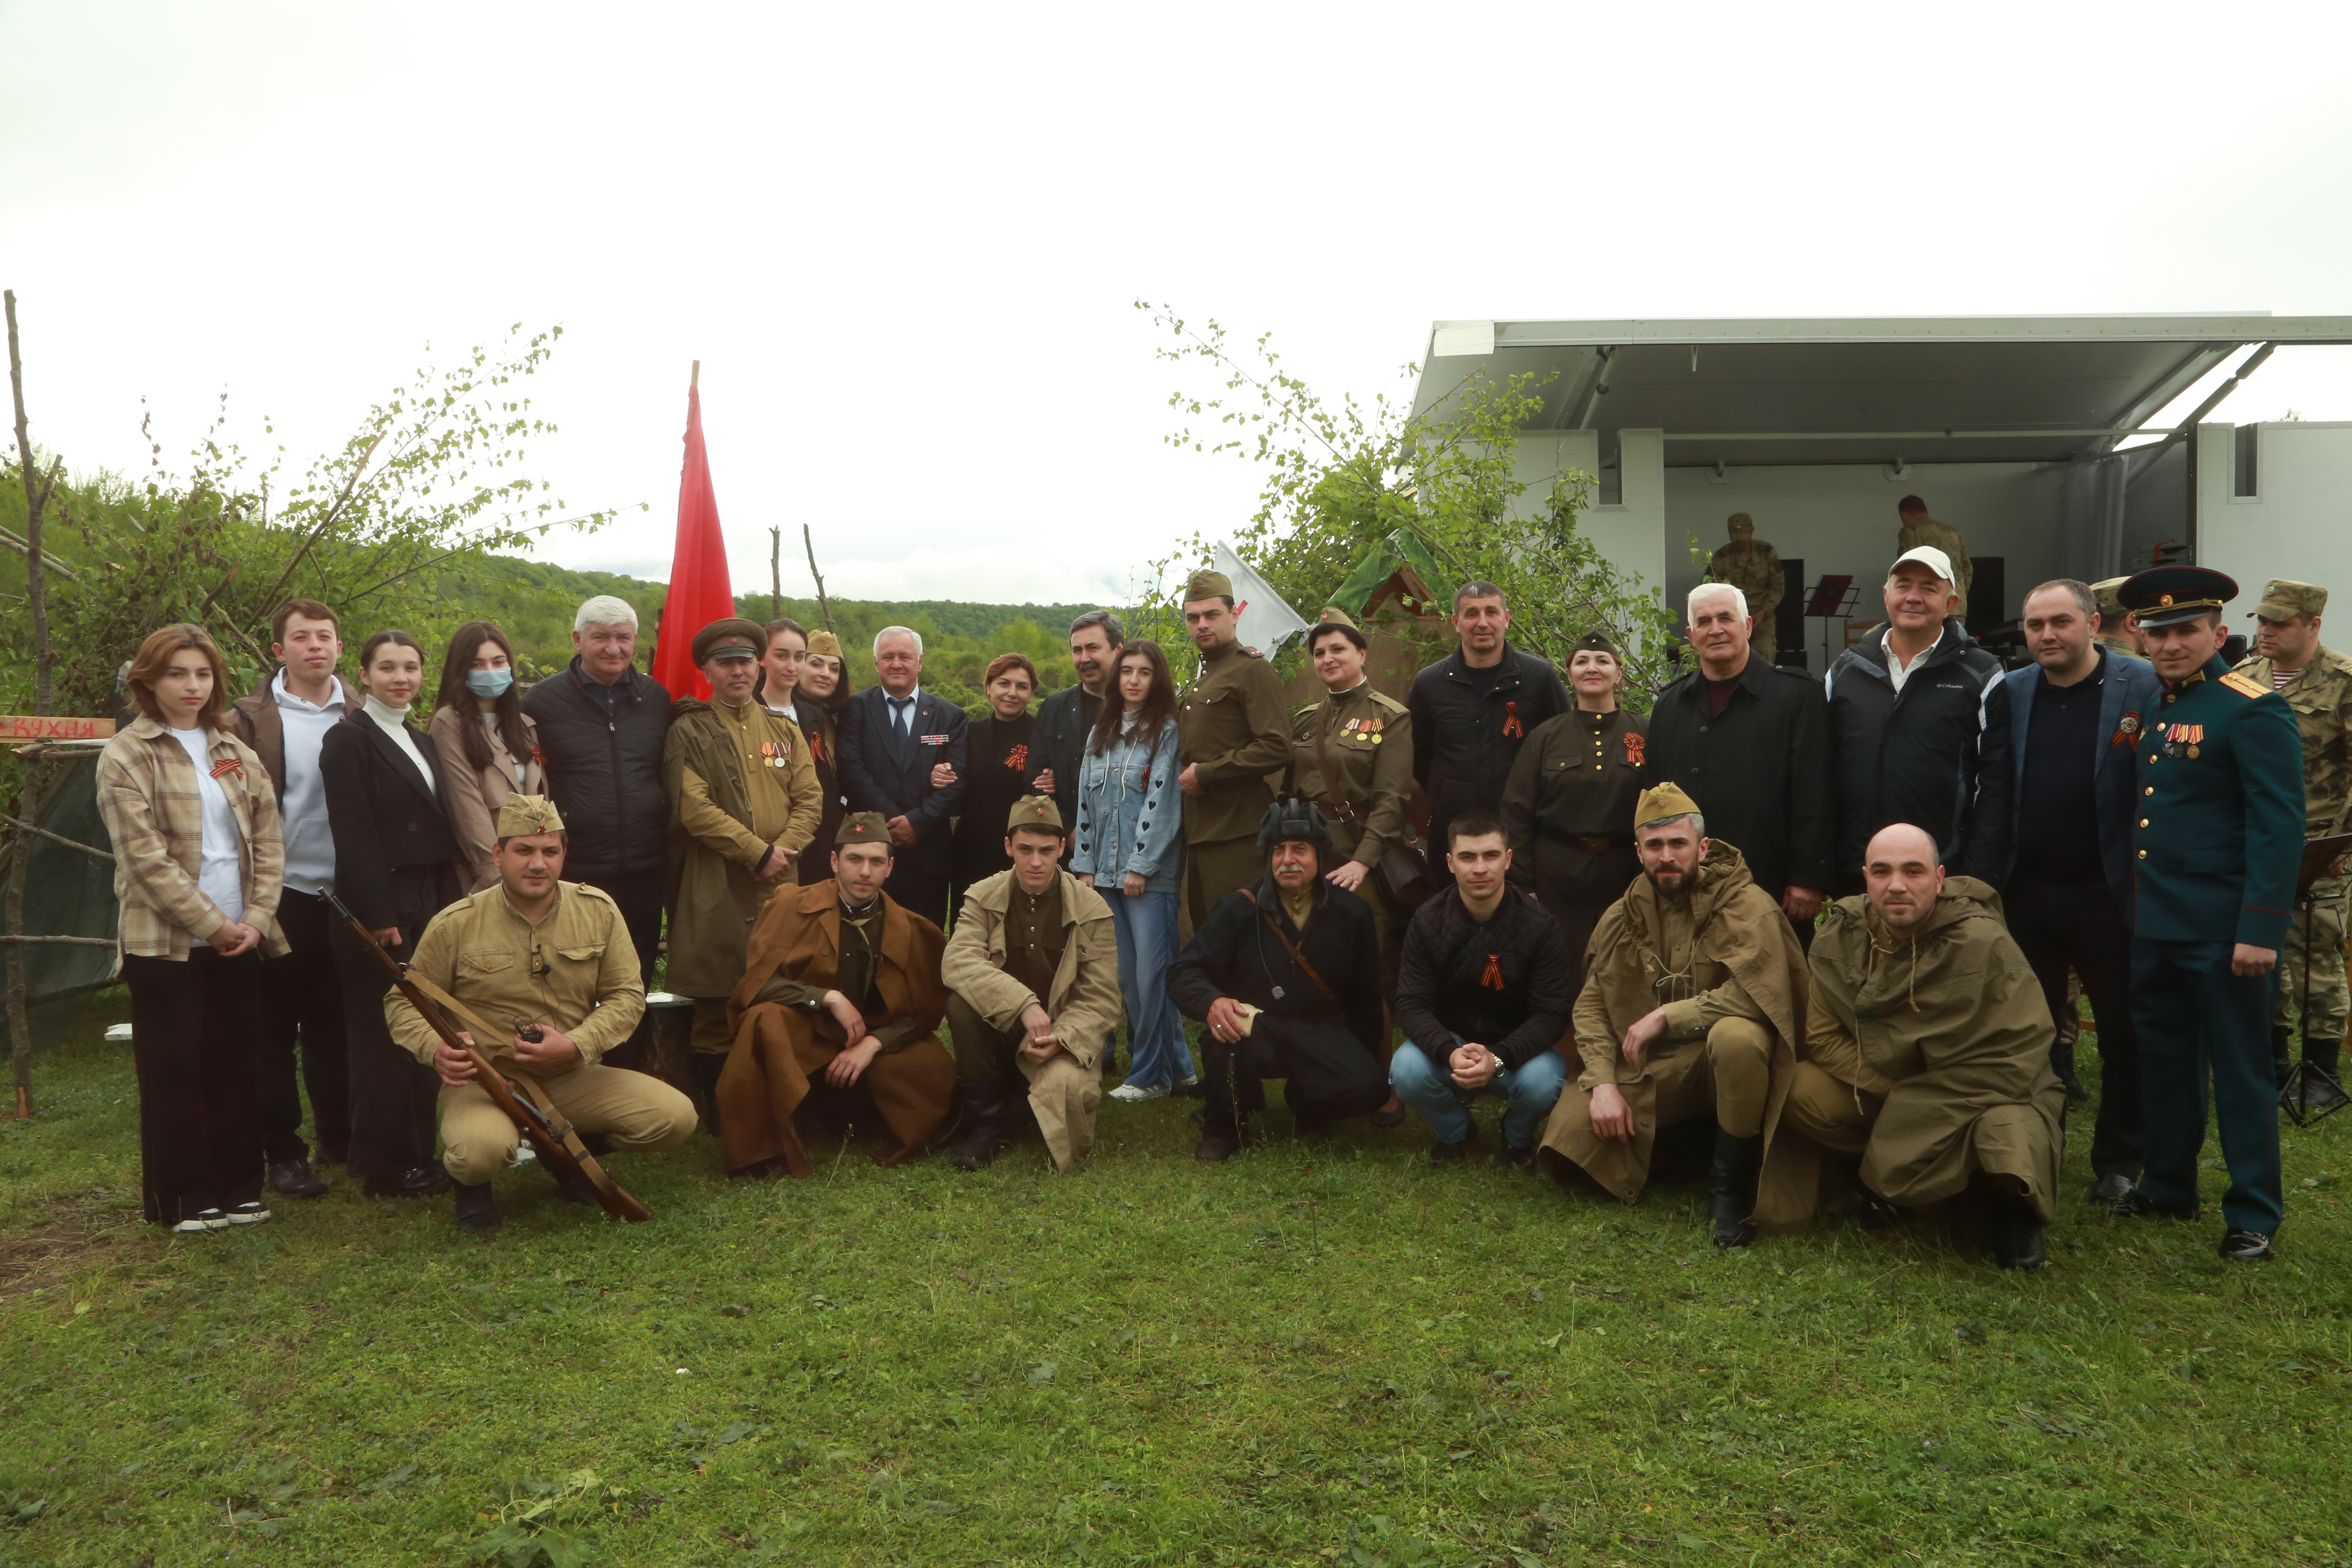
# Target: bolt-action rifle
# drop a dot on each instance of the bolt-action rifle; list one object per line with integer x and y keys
{"x": 551, "y": 1132}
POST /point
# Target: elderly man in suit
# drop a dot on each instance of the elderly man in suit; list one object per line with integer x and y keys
{"x": 902, "y": 755}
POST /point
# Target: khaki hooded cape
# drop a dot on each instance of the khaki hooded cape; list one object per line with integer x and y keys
{"x": 1735, "y": 923}
{"x": 776, "y": 1048}
{"x": 1950, "y": 1025}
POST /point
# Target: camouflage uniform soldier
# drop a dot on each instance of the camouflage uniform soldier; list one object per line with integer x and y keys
{"x": 1920, "y": 528}
{"x": 1753, "y": 567}
{"x": 2115, "y": 633}
{"x": 2316, "y": 683}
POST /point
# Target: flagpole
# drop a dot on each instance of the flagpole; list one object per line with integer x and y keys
{"x": 694, "y": 380}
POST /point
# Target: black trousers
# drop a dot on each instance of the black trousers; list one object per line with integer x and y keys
{"x": 302, "y": 1014}
{"x": 2077, "y": 925}
{"x": 392, "y": 1095}
{"x": 639, "y": 895}
{"x": 192, "y": 1023}
{"x": 1327, "y": 1075}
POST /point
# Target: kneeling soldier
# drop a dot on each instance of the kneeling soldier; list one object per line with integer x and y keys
{"x": 844, "y": 987}
{"x": 535, "y": 950}
{"x": 1286, "y": 974}
{"x": 1692, "y": 1002}
{"x": 1032, "y": 993}
{"x": 1927, "y": 1052}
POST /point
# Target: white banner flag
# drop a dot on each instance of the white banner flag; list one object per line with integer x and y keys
{"x": 1265, "y": 622}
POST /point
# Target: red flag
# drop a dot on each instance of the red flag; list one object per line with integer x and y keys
{"x": 698, "y": 590}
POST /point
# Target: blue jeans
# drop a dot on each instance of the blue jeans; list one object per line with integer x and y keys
{"x": 1530, "y": 1090}
{"x": 1146, "y": 928}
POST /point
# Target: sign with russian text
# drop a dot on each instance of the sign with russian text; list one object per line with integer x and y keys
{"x": 32, "y": 727}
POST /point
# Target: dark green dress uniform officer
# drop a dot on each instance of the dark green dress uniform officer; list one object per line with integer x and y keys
{"x": 1351, "y": 754}
{"x": 1568, "y": 811}
{"x": 2220, "y": 844}
{"x": 1231, "y": 734}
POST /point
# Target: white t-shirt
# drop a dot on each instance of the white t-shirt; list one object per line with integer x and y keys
{"x": 220, "y": 876}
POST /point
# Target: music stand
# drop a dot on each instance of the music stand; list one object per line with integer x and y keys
{"x": 2319, "y": 854}
{"x": 1831, "y": 600}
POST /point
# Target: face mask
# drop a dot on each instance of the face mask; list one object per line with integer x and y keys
{"x": 489, "y": 682}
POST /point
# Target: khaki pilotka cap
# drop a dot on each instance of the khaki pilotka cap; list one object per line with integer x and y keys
{"x": 1207, "y": 584}
{"x": 863, "y": 828}
{"x": 1036, "y": 810}
{"x": 1663, "y": 804}
{"x": 825, "y": 643}
{"x": 2283, "y": 599}
{"x": 524, "y": 815}
{"x": 2111, "y": 608}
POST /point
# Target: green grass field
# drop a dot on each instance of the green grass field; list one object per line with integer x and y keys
{"x": 1325, "y": 1352}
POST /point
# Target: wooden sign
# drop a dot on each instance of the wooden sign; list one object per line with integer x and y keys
{"x": 30, "y": 727}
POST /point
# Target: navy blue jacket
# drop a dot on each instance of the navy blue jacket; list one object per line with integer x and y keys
{"x": 881, "y": 772}
{"x": 1936, "y": 755}
{"x": 2220, "y": 831}
{"x": 2130, "y": 691}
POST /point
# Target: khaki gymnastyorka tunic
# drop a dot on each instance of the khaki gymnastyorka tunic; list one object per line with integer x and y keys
{"x": 1351, "y": 754}
{"x": 1232, "y": 728}
{"x": 1567, "y": 815}
{"x": 574, "y": 970}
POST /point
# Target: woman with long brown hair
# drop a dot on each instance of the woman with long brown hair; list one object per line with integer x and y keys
{"x": 489, "y": 745}
{"x": 398, "y": 864}
{"x": 198, "y": 863}
{"x": 1130, "y": 845}
{"x": 821, "y": 690}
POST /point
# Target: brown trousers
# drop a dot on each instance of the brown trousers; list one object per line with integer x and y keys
{"x": 779, "y": 1056}
{"x": 1062, "y": 1094}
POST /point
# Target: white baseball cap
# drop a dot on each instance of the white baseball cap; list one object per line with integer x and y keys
{"x": 1927, "y": 555}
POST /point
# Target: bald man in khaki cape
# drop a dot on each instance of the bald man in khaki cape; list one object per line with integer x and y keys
{"x": 1927, "y": 1053}
{"x": 1694, "y": 996}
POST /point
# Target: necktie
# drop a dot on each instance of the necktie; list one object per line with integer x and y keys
{"x": 902, "y": 716}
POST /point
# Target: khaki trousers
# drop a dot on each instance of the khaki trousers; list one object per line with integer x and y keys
{"x": 1064, "y": 1094}
{"x": 635, "y": 1110}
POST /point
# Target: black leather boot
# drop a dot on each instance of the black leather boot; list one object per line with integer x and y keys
{"x": 2015, "y": 1231}
{"x": 1731, "y": 1187}
{"x": 476, "y": 1211}
{"x": 2322, "y": 1087}
{"x": 991, "y": 1099}
{"x": 2282, "y": 1053}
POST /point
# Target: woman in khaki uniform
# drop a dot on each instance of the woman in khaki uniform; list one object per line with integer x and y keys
{"x": 1351, "y": 753}
{"x": 1568, "y": 809}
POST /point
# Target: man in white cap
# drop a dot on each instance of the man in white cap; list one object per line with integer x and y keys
{"x": 1920, "y": 716}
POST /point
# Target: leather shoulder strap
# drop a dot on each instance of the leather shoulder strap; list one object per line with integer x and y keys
{"x": 1290, "y": 947}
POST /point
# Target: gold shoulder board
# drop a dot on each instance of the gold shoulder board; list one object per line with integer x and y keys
{"x": 2245, "y": 685}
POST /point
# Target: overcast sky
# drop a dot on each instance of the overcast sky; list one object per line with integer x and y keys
{"x": 905, "y": 241}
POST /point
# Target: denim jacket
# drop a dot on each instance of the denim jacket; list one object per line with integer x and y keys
{"x": 1126, "y": 805}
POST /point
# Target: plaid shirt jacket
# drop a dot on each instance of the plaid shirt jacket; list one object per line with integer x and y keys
{"x": 147, "y": 792}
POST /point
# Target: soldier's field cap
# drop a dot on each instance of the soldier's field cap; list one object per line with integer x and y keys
{"x": 2110, "y": 609}
{"x": 2167, "y": 595}
{"x": 2283, "y": 599}
{"x": 863, "y": 828}
{"x": 1663, "y": 804}
{"x": 1596, "y": 642}
{"x": 1740, "y": 524}
{"x": 1035, "y": 811}
{"x": 1927, "y": 555}
{"x": 733, "y": 637}
{"x": 524, "y": 815}
{"x": 1207, "y": 584}
{"x": 1333, "y": 617}
{"x": 825, "y": 643}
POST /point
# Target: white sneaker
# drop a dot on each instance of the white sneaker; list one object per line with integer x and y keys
{"x": 202, "y": 1221}
{"x": 246, "y": 1214}
{"x": 1134, "y": 1093}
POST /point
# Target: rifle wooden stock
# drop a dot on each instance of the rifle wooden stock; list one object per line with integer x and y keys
{"x": 551, "y": 1135}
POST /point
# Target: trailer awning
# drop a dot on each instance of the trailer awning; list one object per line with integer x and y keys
{"x": 1862, "y": 390}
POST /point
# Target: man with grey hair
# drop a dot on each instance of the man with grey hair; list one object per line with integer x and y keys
{"x": 1919, "y": 718}
{"x": 902, "y": 754}
{"x": 602, "y": 728}
{"x": 1749, "y": 741}
{"x": 2075, "y": 713}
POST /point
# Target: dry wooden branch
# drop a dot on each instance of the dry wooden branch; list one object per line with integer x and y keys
{"x": 822, "y": 602}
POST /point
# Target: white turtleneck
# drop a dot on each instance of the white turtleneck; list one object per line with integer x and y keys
{"x": 394, "y": 722}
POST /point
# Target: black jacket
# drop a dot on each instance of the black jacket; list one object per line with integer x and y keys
{"x": 1234, "y": 954}
{"x": 1509, "y": 985}
{"x": 880, "y": 773}
{"x": 816, "y": 722}
{"x": 1464, "y": 744}
{"x": 396, "y": 858}
{"x": 605, "y": 774}
{"x": 1060, "y": 739}
{"x": 1759, "y": 771}
{"x": 1937, "y": 756}
{"x": 991, "y": 789}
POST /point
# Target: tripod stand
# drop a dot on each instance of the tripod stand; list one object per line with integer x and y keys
{"x": 2305, "y": 1075}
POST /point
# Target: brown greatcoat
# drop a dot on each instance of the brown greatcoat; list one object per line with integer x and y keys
{"x": 777, "y": 1051}
{"x": 713, "y": 847}
{"x": 1950, "y": 1027}
{"x": 1737, "y": 930}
